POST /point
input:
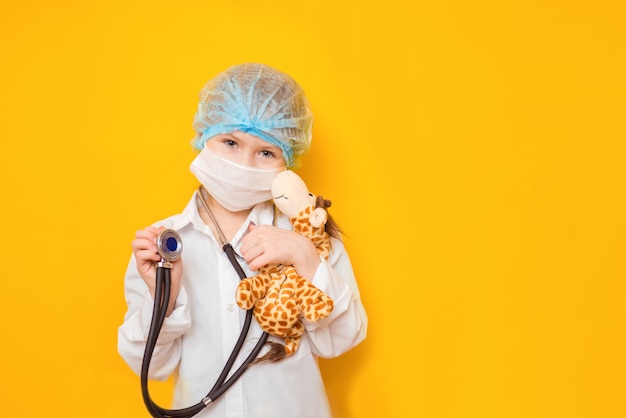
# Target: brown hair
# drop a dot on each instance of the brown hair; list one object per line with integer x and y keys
{"x": 331, "y": 227}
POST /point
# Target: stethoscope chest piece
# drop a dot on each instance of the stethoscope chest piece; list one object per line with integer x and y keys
{"x": 169, "y": 245}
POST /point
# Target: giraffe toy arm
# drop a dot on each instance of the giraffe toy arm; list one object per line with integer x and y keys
{"x": 250, "y": 290}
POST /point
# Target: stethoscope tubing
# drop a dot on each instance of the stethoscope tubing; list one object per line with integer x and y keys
{"x": 161, "y": 299}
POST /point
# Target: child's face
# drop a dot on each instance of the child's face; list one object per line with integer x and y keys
{"x": 247, "y": 150}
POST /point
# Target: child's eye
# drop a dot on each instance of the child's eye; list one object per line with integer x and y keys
{"x": 230, "y": 143}
{"x": 267, "y": 154}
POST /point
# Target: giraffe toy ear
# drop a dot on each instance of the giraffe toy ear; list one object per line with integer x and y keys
{"x": 318, "y": 217}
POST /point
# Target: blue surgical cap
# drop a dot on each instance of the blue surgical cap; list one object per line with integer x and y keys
{"x": 258, "y": 100}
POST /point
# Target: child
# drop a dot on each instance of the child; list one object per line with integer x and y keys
{"x": 252, "y": 122}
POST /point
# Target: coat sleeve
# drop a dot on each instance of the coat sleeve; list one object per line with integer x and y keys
{"x": 133, "y": 333}
{"x": 346, "y": 326}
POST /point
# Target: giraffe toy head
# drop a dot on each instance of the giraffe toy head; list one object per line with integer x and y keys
{"x": 292, "y": 197}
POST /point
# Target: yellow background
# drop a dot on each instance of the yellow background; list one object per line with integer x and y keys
{"x": 473, "y": 151}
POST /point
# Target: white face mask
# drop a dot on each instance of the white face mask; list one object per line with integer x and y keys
{"x": 234, "y": 186}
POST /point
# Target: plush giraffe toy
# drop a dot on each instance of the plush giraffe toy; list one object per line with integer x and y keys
{"x": 279, "y": 295}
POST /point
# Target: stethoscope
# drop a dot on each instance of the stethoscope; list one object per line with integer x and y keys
{"x": 170, "y": 247}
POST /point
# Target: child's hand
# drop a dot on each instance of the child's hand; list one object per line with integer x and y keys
{"x": 145, "y": 250}
{"x": 265, "y": 244}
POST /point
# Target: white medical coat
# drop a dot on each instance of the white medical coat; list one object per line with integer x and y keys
{"x": 198, "y": 337}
